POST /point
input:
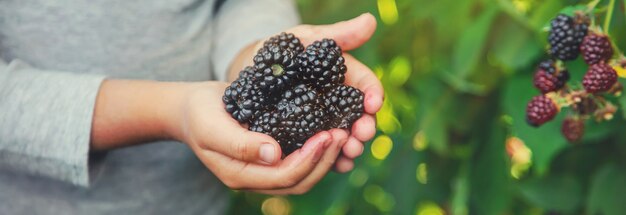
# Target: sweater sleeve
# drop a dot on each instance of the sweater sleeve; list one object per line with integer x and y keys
{"x": 241, "y": 22}
{"x": 45, "y": 121}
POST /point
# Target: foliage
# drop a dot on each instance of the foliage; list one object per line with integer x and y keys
{"x": 457, "y": 76}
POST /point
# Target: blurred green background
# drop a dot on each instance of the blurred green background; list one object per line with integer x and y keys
{"x": 458, "y": 75}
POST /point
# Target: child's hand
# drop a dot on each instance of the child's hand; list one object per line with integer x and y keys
{"x": 243, "y": 159}
{"x": 349, "y": 35}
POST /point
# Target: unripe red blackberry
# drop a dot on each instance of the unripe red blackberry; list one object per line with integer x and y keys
{"x": 596, "y": 48}
{"x": 566, "y": 34}
{"x": 599, "y": 78}
{"x": 540, "y": 110}
{"x": 573, "y": 129}
{"x": 549, "y": 78}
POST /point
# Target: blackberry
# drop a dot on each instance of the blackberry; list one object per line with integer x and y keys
{"x": 599, "y": 78}
{"x": 573, "y": 129}
{"x": 267, "y": 123}
{"x": 301, "y": 115}
{"x": 549, "y": 78}
{"x": 344, "y": 105}
{"x": 277, "y": 67}
{"x": 287, "y": 41}
{"x": 322, "y": 65}
{"x": 327, "y": 44}
{"x": 243, "y": 100}
{"x": 540, "y": 110}
{"x": 596, "y": 48}
{"x": 566, "y": 35}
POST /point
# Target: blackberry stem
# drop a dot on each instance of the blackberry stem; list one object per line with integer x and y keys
{"x": 609, "y": 16}
{"x": 277, "y": 70}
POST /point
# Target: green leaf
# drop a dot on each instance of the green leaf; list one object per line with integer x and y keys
{"x": 468, "y": 48}
{"x": 607, "y": 190}
{"x": 515, "y": 47}
{"x": 462, "y": 85}
{"x": 490, "y": 180}
{"x": 570, "y": 10}
{"x": 545, "y": 11}
{"x": 562, "y": 193}
{"x": 461, "y": 189}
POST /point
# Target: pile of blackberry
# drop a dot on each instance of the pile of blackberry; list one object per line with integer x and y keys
{"x": 570, "y": 37}
{"x": 292, "y": 92}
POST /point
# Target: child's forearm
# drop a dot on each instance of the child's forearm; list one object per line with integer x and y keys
{"x": 130, "y": 112}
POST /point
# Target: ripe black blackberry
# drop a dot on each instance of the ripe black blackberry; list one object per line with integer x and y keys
{"x": 243, "y": 100}
{"x": 566, "y": 35}
{"x": 296, "y": 118}
{"x": 599, "y": 78}
{"x": 344, "y": 105}
{"x": 322, "y": 65}
{"x": 301, "y": 115}
{"x": 549, "y": 78}
{"x": 287, "y": 41}
{"x": 327, "y": 44}
{"x": 540, "y": 110}
{"x": 267, "y": 123}
{"x": 277, "y": 67}
{"x": 573, "y": 129}
{"x": 596, "y": 48}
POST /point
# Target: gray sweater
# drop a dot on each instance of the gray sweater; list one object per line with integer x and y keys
{"x": 53, "y": 56}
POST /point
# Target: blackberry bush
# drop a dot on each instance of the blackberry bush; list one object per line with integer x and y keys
{"x": 586, "y": 98}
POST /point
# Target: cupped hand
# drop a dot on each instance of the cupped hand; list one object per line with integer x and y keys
{"x": 248, "y": 160}
{"x": 349, "y": 35}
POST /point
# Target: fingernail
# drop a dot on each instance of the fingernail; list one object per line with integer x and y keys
{"x": 373, "y": 100}
{"x": 267, "y": 153}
